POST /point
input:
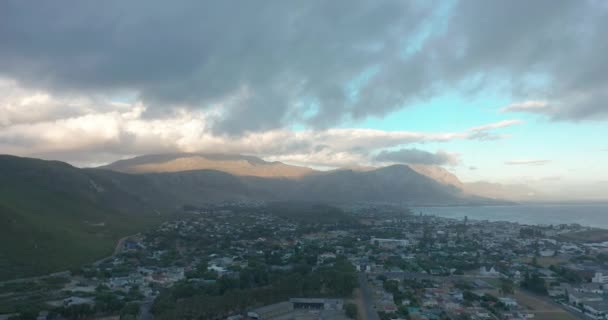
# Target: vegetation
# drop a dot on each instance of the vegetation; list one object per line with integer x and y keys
{"x": 54, "y": 217}
{"x": 351, "y": 310}
{"x": 568, "y": 275}
{"x": 507, "y": 286}
{"x": 254, "y": 287}
{"x": 534, "y": 283}
{"x": 309, "y": 212}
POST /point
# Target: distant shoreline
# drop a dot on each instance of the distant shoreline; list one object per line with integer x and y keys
{"x": 589, "y": 214}
{"x": 510, "y": 204}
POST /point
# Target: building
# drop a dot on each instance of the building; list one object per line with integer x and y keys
{"x": 390, "y": 243}
{"x": 300, "y": 308}
{"x": 600, "y": 277}
{"x": 582, "y": 297}
{"x": 596, "y": 309}
{"x": 483, "y": 271}
{"x": 509, "y": 302}
{"x": 317, "y": 304}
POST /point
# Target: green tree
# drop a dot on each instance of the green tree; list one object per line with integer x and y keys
{"x": 351, "y": 310}
{"x": 506, "y": 286}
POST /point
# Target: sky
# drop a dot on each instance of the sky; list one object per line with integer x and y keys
{"x": 509, "y": 92}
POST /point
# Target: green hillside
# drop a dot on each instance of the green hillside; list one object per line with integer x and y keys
{"x": 54, "y": 216}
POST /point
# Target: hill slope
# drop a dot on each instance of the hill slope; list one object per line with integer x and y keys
{"x": 54, "y": 216}
{"x": 438, "y": 174}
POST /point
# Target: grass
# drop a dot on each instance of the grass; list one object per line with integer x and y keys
{"x": 594, "y": 235}
{"x": 546, "y": 262}
{"x": 542, "y": 309}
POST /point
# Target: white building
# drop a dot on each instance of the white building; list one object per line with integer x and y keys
{"x": 488, "y": 272}
{"x": 599, "y": 278}
{"x": 390, "y": 243}
{"x": 509, "y": 302}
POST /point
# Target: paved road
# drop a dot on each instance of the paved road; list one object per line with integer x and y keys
{"x": 144, "y": 310}
{"x": 368, "y": 299}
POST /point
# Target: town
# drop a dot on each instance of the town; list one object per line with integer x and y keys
{"x": 311, "y": 261}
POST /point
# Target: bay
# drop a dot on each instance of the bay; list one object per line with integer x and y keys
{"x": 591, "y": 215}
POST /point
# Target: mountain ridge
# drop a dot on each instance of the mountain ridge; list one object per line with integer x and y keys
{"x": 240, "y": 165}
{"x": 79, "y": 213}
{"x": 251, "y": 166}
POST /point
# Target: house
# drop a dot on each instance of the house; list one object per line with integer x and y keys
{"x": 509, "y": 302}
{"x": 596, "y": 309}
{"x": 583, "y": 297}
{"x": 590, "y": 288}
{"x": 313, "y": 303}
{"x": 600, "y": 277}
{"x": 326, "y": 256}
{"x": 390, "y": 243}
{"x": 561, "y": 290}
{"x": 488, "y": 272}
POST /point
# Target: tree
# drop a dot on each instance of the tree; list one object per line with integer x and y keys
{"x": 129, "y": 311}
{"x": 351, "y": 310}
{"x": 506, "y": 286}
{"x": 534, "y": 283}
{"x": 27, "y": 312}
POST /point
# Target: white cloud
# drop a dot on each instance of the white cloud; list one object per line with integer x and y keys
{"x": 538, "y": 106}
{"x": 496, "y": 125}
{"x": 528, "y": 162}
{"x": 97, "y": 130}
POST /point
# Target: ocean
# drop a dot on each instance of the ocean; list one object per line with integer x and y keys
{"x": 592, "y": 215}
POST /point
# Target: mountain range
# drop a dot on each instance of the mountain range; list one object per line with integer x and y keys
{"x": 248, "y": 167}
{"x": 201, "y": 178}
{"x": 65, "y": 216}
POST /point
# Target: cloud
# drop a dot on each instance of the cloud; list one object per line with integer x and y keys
{"x": 496, "y": 125}
{"x": 85, "y": 136}
{"x": 417, "y": 156}
{"x": 528, "y": 162}
{"x": 266, "y": 70}
{"x": 315, "y": 63}
{"x": 537, "y": 106}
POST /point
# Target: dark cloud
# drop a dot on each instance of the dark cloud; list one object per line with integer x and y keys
{"x": 268, "y": 64}
{"x": 416, "y": 156}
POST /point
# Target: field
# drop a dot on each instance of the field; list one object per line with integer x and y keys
{"x": 595, "y": 235}
{"x": 547, "y": 261}
{"x": 543, "y": 310}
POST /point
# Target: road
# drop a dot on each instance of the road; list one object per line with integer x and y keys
{"x": 368, "y": 299}
{"x": 144, "y": 310}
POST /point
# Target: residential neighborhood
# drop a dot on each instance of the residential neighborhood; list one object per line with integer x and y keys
{"x": 254, "y": 261}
